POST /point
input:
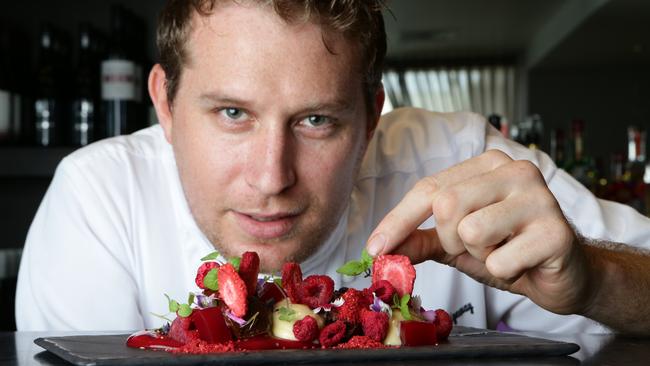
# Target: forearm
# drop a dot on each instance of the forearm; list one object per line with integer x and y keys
{"x": 620, "y": 281}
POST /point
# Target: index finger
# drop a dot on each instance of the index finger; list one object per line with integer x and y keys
{"x": 415, "y": 207}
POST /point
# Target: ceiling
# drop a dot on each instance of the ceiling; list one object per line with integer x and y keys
{"x": 542, "y": 34}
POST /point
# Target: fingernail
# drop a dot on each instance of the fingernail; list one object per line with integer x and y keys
{"x": 376, "y": 244}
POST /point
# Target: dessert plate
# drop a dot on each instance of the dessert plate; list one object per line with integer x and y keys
{"x": 463, "y": 343}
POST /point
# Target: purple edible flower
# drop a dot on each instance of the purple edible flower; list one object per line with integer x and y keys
{"x": 203, "y": 301}
{"x": 235, "y": 318}
{"x": 429, "y": 315}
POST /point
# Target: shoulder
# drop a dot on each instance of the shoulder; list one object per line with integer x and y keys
{"x": 119, "y": 157}
{"x": 407, "y": 138}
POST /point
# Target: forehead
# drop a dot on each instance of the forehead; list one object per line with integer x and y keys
{"x": 251, "y": 41}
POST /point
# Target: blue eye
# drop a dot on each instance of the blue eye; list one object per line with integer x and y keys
{"x": 317, "y": 120}
{"x": 233, "y": 113}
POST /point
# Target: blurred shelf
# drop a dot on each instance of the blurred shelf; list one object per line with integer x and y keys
{"x": 30, "y": 162}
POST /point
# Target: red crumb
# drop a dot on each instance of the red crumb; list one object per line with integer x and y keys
{"x": 361, "y": 342}
{"x": 199, "y": 347}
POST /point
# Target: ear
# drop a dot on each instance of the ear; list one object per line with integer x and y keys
{"x": 158, "y": 93}
{"x": 373, "y": 121}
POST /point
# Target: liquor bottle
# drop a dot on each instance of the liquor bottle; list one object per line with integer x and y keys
{"x": 558, "y": 147}
{"x": 85, "y": 103}
{"x": 119, "y": 79}
{"x": 5, "y": 88}
{"x": 578, "y": 165}
{"x": 49, "y": 99}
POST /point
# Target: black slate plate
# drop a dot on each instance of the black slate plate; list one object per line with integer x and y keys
{"x": 463, "y": 343}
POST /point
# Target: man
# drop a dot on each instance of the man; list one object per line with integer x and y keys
{"x": 270, "y": 140}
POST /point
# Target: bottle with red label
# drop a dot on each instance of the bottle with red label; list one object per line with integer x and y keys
{"x": 120, "y": 77}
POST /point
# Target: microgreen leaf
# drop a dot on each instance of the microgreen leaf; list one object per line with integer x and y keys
{"x": 184, "y": 310}
{"x": 404, "y": 306}
{"x": 287, "y": 314}
{"x": 190, "y": 298}
{"x": 277, "y": 281}
{"x": 235, "y": 261}
{"x": 396, "y": 303}
{"x": 172, "y": 304}
{"x": 210, "y": 257}
{"x": 366, "y": 259}
{"x": 211, "y": 281}
{"x": 351, "y": 268}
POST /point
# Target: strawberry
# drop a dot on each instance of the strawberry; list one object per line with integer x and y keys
{"x": 232, "y": 290}
{"x": 316, "y": 291}
{"x": 249, "y": 268}
{"x": 374, "y": 324}
{"x": 383, "y": 290}
{"x": 332, "y": 334}
{"x": 443, "y": 324}
{"x": 291, "y": 279}
{"x": 203, "y": 271}
{"x": 396, "y": 269}
{"x": 305, "y": 329}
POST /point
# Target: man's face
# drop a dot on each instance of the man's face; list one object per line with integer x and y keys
{"x": 268, "y": 128}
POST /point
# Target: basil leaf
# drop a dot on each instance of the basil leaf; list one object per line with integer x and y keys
{"x": 351, "y": 268}
{"x": 210, "y": 257}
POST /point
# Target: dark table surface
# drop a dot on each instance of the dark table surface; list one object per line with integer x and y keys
{"x": 18, "y": 348}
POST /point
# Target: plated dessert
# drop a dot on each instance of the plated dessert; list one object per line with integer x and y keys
{"x": 238, "y": 311}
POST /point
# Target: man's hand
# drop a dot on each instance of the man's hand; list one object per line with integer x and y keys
{"x": 497, "y": 221}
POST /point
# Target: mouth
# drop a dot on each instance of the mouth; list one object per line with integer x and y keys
{"x": 266, "y": 226}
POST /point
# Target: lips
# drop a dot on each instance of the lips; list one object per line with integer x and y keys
{"x": 266, "y": 226}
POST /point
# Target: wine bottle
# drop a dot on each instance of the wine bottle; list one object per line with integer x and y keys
{"x": 85, "y": 103}
{"x": 119, "y": 79}
{"x": 48, "y": 103}
{"x": 5, "y": 89}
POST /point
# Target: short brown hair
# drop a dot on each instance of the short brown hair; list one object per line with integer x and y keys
{"x": 359, "y": 20}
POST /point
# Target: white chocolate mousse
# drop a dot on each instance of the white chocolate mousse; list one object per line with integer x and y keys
{"x": 392, "y": 336}
{"x": 284, "y": 328}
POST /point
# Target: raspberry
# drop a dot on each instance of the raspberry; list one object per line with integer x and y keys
{"x": 232, "y": 290}
{"x": 383, "y": 290}
{"x": 183, "y": 330}
{"x": 291, "y": 279}
{"x": 354, "y": 301}
{"x": 374, "y": 324}
{"x": 249, "y": 268}
{"x": 443, "y": 324}
{"x": 305, "y": 329}
{"x": 203, "y": 271}
{"x": 396, "y": 269}
{"x": 316, "y": 291}
{"x": 332, "y": 334}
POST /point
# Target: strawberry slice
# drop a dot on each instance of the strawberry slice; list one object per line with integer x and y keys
{"x": 396, "y": 269}
{"x": 232, "y": 290}
{"x": 249, "y": 268}
{"x": 291, "y": 280}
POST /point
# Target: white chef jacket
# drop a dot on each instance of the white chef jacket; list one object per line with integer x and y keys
{"x": 114, "y": 232}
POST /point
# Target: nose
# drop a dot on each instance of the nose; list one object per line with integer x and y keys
{"x": 270, "y": 162}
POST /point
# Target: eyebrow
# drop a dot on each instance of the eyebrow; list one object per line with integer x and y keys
{"x": 341, "y": 105}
